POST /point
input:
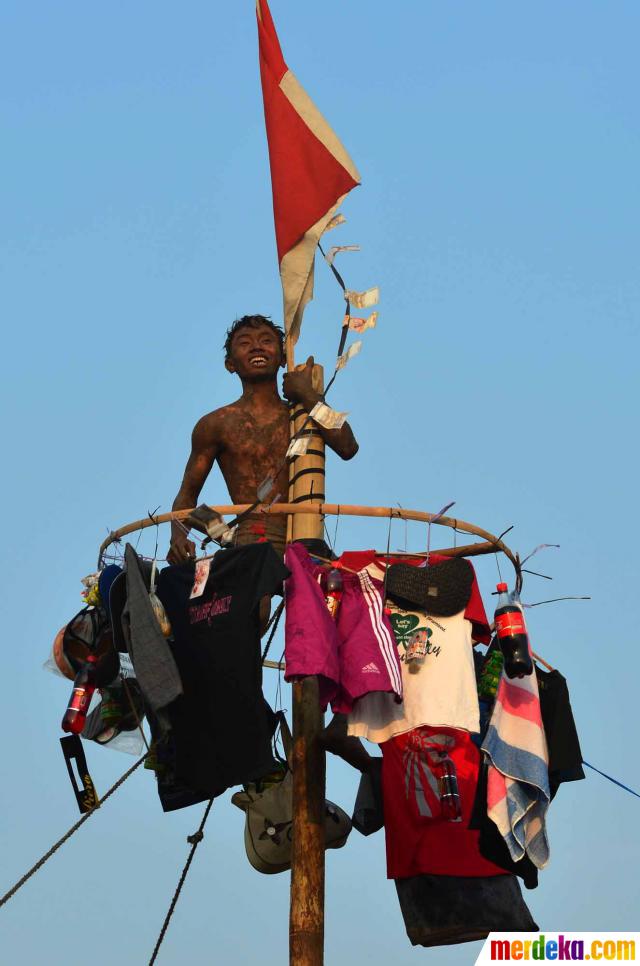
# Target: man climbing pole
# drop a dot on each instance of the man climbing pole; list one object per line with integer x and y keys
{"x": 249, "y": 437}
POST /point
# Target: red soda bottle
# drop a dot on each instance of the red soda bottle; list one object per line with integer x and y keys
{"x": 84, "y": 685}
{"x": 450, "y": 806}
{"x": 512, "y": 636}
{"x": 333, "y": 591}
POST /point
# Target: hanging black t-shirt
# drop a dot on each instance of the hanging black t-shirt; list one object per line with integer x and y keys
{"x": 565, "y": 757}
{"x": 221, "y": 725}
{"x": 491, "y": 844}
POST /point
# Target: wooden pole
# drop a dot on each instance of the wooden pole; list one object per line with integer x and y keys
{"x": 307, "y": 473}
{"x": 306, "y": 913}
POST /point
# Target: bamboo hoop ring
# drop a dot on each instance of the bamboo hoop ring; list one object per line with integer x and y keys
{"x": 490, "y": 544}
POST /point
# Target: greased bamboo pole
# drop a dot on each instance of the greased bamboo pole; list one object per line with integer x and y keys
{"x": 307, "y": 473}
{"x": 306, "y": 910}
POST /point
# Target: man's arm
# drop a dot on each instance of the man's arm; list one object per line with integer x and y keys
{"x": 204, "y": 449}
{"x": 298, "y": 388}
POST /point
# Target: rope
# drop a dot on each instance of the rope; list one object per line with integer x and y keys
{"x": 344, "y": 331}
{"x": 74, "y": 828}
{"x": 134, "y": 709}
{"x": 274, "y": 621}
{"x": 194, "y": 840}
{"x": 386, "y": 560}
{"x": 614, "y": 780}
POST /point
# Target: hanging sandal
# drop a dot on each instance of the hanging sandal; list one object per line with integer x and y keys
{"x": 442, "y": 589}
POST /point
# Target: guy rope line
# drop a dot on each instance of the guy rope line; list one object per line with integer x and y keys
{"x": 127, "y": 691}
{"x": 74, "y": 828}
{"x": 194, "y": 841}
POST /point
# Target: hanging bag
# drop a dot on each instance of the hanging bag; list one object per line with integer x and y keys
{"x": 269, "y": 818}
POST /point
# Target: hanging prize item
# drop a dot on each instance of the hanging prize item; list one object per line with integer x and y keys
{"x": 91, "y": 592}
{"x": 60, "y": 659}
{"x": 86, "y": 795}
{"x": 157, "y": 607}
{"x": 84, "y": 685}
{"x": 490, "y": 674}
{"x": 205, "y": 519}
{"x": 416, "y": 649}
{"x": 431, "y": 771}
{"x": 88, "y": 633}
{"x": 512, "y": 635}
{"x": 333, "y": 591}
{"x": 450, "y": 806}
{"x": 160, "y": 615}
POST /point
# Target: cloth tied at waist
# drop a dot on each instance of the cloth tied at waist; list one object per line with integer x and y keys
{"x": 263, "y": 528}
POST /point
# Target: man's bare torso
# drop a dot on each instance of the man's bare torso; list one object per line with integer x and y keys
{"x": 251, "y": 446}
{"x": 249, "y": 438}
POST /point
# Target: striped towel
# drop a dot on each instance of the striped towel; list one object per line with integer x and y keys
{"x": 518, "y": 778}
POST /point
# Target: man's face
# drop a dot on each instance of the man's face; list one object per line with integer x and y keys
{"x": 255, "y": 354}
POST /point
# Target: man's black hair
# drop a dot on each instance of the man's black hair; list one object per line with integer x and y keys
{"x": 251, "y": 322}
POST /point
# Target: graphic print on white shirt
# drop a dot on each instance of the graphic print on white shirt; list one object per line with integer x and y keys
{"x": 412, "y": 631}
{"x": 439, "y": 689}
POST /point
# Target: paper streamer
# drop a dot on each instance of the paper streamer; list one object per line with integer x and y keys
{"x": 541, "y": 546}
{"x": 352, "y": 351}
{"x": 265, "y": 488}
{"x": 336, "y": 249}
{"x": 335, "y": 221}
{"x": 299, "y": 446}
{"x": 327, "y": 417}
{"x": 363, "y": 300}
{"x": 361, "y": 325}
{"x": 218, "y": 530}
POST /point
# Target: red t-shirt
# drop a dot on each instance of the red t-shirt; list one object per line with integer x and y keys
{"x": 416, "y": 843}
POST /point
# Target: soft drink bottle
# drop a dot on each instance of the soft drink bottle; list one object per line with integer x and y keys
{"x": 450, "y": 806}
{"x": 512, "y": 636}
{"x": 84, "y": 685}
{"x": 333, "y": 591}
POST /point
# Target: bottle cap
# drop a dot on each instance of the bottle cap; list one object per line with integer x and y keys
{"x": 501, "y": 588}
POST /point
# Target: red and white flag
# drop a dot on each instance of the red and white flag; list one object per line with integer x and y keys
{"x": 311, "y": 173}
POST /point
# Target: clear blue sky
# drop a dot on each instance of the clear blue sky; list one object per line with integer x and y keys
{"x": 499, "y": 149}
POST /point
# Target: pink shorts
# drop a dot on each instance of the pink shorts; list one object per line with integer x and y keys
{"x": 353, "y": 655}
